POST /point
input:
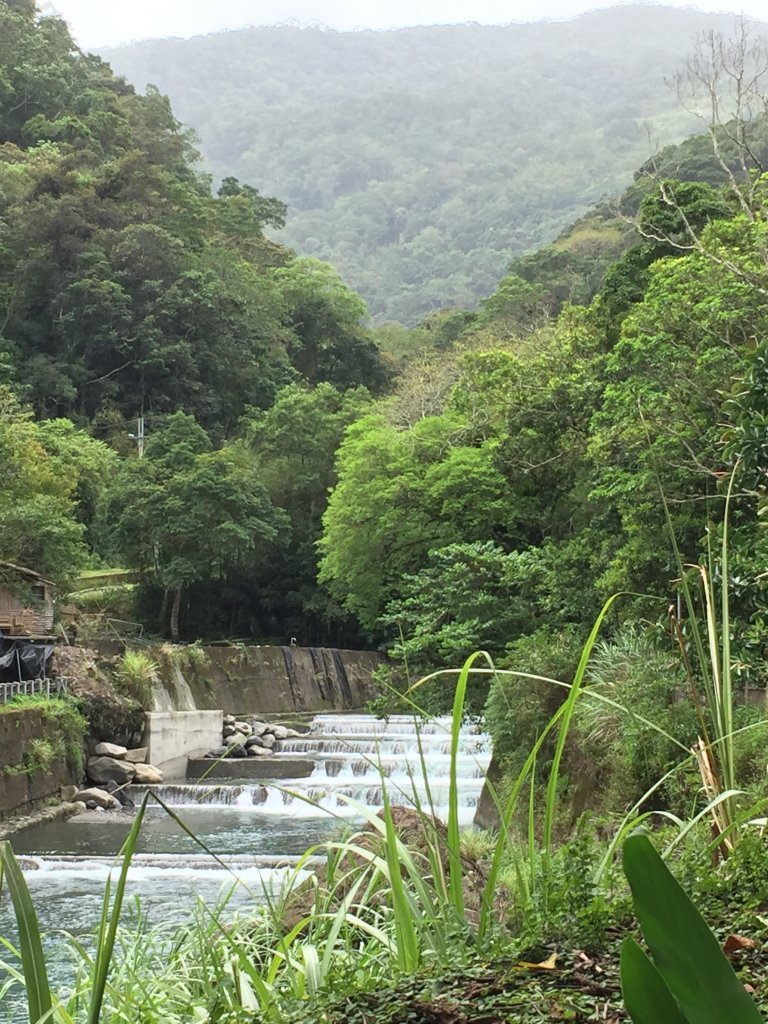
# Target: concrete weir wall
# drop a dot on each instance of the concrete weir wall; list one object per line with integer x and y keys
{"x": 173, "y": 736}
{"x": 22, "y": 791}
{"x": 275, "y": 680}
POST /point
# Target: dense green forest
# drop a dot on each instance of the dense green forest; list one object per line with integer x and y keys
{"x": 513, "y": 458}
{"x": 419, "y": 161}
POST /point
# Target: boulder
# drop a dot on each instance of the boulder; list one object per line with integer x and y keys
{"x": 218, "y": 752}
{"x": 244, "y": 728}
{"x": 228, "y": 730}
{"x": 97, "y": 798}
{"x": 279, "y": 732}
{"x": 104, "y": 769}
{"x": 137, "y": 756}
{"x": 257, "y": 751}
{"x": 235, "y": 740}
{"x": 291, "y": 734}
{"x": 254, "y": 741}
{"x": 110, "y": 750}
{"x": 268, "y": 740}
{"x": 259, "y": 728}
{"x": 238, "y": 750}
{"x": 229, "y": 719}
{"x": 147, "y": 775}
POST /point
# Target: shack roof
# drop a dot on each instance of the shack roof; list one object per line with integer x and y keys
{"x": 29, "y": 574}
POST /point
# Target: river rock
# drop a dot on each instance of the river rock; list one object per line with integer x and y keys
{"x": 111, "y": 750}
{"x": 244, "y": 728}
{"x": 137, "y": 756}
{"x": 257, "y": 751}
{"x": 238, "y": 750}
{"x": 102, "y": 769}
{"x": 228, "y": 730}
{"x": 95, "y": 797}
{"x": 268, "y": 740}
{"x": 147, "y": 775}
{"x": 291, "y": 734}
{"x": 279, "y": 732}
{"x": 229, "y": 719}
{"x": 237, "y": 739}
{"x": 218, "y": 752}
{"x": 254, "y": 741}
{"x": 259, "y": 728}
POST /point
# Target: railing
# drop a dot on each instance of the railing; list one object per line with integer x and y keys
{"x": 32, "y": 687}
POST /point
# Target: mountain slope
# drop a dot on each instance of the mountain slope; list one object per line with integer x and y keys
{"x": 419, "y": 161}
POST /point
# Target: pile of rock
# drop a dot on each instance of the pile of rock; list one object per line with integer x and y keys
{"x": 111, "y": 769}
{"x": 250, "y": 739}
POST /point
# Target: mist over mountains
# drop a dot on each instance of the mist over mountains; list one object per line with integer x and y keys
{"x": 419, "y": 161}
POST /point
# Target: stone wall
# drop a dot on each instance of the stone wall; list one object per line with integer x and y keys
{"x": 23, "y": 791}
{"x": 275, "y": 680}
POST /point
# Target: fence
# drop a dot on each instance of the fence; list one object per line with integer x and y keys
{"x": 32, "y": 687}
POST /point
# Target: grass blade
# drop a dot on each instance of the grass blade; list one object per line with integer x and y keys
{"x": 109, "y": 922}
{"x": 39, "y": 1002}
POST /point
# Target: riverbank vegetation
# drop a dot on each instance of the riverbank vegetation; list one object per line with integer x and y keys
{"x": 405, "y": 919}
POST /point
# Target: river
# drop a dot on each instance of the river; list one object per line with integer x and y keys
{"x": 258, "y": 831}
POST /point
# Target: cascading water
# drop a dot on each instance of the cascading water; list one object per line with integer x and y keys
{"x": 355, "y": 757}
{"x": 258, "y": 831}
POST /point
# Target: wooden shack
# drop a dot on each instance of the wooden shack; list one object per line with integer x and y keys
{"x": 26, "y": 602}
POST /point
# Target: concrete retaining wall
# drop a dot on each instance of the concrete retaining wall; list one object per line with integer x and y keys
{"x": 21, "y": 792}
{"x": 274, "y": 680}
{"x": 172, "y": 736}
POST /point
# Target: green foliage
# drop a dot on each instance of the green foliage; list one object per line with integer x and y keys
{"x": 419, "y": 160}
{"x": 520, "y": 707}
{"x": 38, "y": 505}
{"x": 126, "y": 287}
{"x": 185, "y": 513}
{"x": 134, "y": 672}
{"x": 65, "y": 737}
{"x": 689, "y": 979}
{"x": 625, "y": 746}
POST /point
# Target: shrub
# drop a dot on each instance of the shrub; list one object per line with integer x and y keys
{"x": 518, "y": 709}
{"x": 134, "y": 674}
{"x": 614, "y": 743}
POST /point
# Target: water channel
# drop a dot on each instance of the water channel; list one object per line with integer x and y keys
{"x": 257, "y": 830}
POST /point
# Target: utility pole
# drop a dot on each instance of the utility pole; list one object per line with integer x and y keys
{"x": 139, "y": 436}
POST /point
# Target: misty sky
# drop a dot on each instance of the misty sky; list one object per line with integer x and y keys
{"x": 97, "y": 23}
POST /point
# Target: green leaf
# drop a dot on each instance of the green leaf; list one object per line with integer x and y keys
{"x": 684, "y": 949}
{"x": 31, "y": 947}
{"x": 109, "y": 921}
{"x": 646, "y": 996}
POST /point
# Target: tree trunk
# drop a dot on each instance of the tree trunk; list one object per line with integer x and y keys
{"x": 175, "y": 615}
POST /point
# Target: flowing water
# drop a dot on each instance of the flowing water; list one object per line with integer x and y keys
{"x": 257, "y": 830}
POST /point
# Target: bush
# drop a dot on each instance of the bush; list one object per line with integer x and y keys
{"x": 518, "y": 709}
{"x": 621, "y": 755}
{"x": 134, "y": 673}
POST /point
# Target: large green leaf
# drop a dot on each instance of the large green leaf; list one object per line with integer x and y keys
{"x": 646, "y": 995}
{"x": 30, "y": 945}
{"x": 684, "y": 949}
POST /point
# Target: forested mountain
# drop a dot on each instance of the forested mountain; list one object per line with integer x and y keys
{"x": 419, "y": 161}
{"x": 128, "y": 288}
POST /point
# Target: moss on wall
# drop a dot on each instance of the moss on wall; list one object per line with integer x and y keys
{"x": 41, "y": 750}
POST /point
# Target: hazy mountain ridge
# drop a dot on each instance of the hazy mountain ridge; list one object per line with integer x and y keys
{"x": 420, "y": 161}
